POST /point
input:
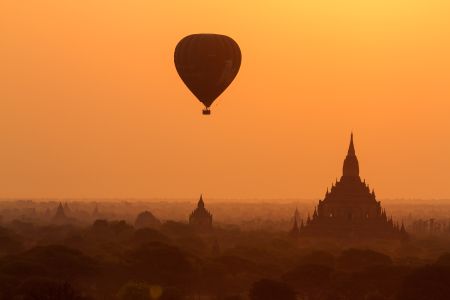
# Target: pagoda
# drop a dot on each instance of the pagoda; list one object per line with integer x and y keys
{"x": 294, "y": 232}
{"x": 200, "y": 218}
{"x": 147, "y": 220}
{"x": 350, "y": 209}
{"x": 60, "y": 216}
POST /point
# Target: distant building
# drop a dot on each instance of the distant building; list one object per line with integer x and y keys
{"x": 430, "y": 226}
{"x": 97, "y": 213}
{"x": 67, "y": 209}
{"x": 295, "y": 231}
{"x": 350, "y": 209}
{"x": 295, "y": 227}
{"x": 146, "y": 220}
{"x": 60, "y": 216}
{"x": 201, "y": 218}
{"x": 47, "y": 213}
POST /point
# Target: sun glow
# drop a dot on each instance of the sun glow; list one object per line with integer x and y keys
{"x": 92, "y": 104}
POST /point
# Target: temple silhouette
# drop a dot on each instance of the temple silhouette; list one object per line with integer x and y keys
{"x": 349, "y": 210}
{"x": 147, "y": 220}
{"x": 60, "y": 216}
{"x": 201, "y": 218}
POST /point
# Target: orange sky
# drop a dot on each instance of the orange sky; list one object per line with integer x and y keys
{"x": 91, "y": 104}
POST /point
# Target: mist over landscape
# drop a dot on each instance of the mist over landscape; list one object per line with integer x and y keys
{"x": 108, "y": 249}
{"x": 225, "y": 211}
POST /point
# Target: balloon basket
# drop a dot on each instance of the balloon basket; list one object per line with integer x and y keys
{"x": 206, "y": 111}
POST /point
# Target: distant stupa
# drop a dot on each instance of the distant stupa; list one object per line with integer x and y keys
{"x": 350, "y": 209}
{"x": 47, "y": 213}
{"x": 295, "y": 230}
{"x": 60, "y": 216}
{"x": 67, "y": 209}
{"x": 146, "y": 220}
{"x": 295, "y": 227}
{"x": 201, "y": 218}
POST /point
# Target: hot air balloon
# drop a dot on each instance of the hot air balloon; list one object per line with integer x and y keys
{"x": 207, "y": 64}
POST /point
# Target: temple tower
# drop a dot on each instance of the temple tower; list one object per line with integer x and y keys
{"x": 60, "y": 216}
{"x": 350, "y": 208}
{"x": 200, "y": 218}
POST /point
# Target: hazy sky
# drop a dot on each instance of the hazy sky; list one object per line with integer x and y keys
{"x": 91, "y": 104}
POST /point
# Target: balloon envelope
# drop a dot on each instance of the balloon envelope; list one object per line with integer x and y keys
{"x": 207, "y": 64}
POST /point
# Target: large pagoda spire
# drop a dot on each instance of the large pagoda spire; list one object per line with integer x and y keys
{"x": 351, "y": 165}
{"x": 351, "y": 147}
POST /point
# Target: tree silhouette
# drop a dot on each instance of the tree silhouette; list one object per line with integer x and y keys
{"x": 267, "y": 289}
{"x": 134, "y": 291}
{"x": 427, "y": 283}
{"x": 357, "y": 260}
{"x": 309, "y": 280}
{"x": 46, "y": 289}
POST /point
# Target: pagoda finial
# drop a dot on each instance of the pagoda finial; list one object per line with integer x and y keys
{"x": 351, "y": 147}
{"x": 60, "y": 215}
{"x": 200, "y": 202}
{"x": 296, "y": 214}
{"x": 351, "y": 165}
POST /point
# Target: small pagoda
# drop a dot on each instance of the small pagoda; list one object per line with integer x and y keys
{"x": 201, "y": 218}
{"x": 60, "y": 216}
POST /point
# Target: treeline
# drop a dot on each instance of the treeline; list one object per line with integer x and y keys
{"x": 113, "y": 260}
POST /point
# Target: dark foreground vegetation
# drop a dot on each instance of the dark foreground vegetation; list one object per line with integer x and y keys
{"x": 113, "y": 260}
